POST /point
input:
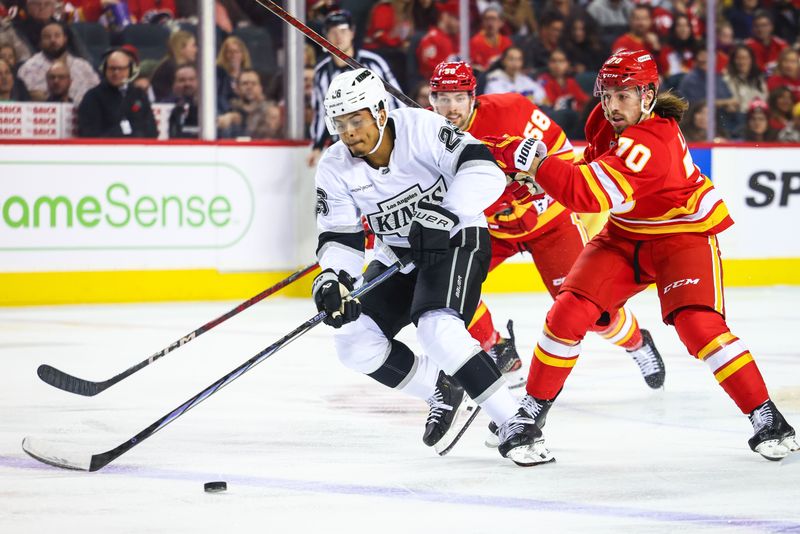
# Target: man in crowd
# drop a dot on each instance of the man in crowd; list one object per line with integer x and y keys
{"x": 183, "y": 120}
{"x": 54, "y": 49}
{"x": 115, "y": 107}
{"x": 58, "y": 83}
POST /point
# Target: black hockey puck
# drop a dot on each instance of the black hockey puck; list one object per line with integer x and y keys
{"x": 215, "y": 487}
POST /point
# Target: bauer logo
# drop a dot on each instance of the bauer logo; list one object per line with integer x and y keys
{"x": 124, "y": 205}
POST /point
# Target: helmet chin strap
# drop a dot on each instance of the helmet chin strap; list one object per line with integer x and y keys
{"x": 381, "y": 129}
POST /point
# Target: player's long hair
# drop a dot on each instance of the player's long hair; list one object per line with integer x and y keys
{"x": 670, "y": 106}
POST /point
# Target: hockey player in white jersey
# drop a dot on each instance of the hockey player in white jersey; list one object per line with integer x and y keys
{"x": 422, "y": 185}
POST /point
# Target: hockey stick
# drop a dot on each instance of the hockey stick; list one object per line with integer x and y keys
{"x": 87, "y": 388}
{"x": 50, "y": 454}
{"x": 330, "y": 47}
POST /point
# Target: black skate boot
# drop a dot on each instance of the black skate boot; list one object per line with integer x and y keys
{"x": 504, "y": 354}
{"x": 522, "y": 442}
{"x": 774, "y": 438}
{"x": 451, "y": 413}
{"x": 649, "y": 361}
{"x": 535, "y": 408}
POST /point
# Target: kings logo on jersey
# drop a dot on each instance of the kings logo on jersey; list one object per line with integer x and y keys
{"x": 396, "y": 213}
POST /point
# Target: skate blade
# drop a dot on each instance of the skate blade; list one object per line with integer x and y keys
{"x": 530, "y": 455}
{"x": 466, "y": 414}
{"x": 775, "y": 450}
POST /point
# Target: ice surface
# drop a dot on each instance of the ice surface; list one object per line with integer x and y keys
{"x": 307, "y": 445}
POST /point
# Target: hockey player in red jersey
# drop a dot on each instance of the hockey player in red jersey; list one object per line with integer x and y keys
{"x": 551, "y": 233}
{"x": 665, "y": 216}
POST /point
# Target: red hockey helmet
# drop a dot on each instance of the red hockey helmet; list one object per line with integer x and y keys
{"x": 628, "y": 68}
{"x": 452, "y": 76}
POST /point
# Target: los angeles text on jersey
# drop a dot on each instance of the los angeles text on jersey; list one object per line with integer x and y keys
{"x": 396, "y": 213}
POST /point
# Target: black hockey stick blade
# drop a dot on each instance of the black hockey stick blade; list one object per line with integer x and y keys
{"x": 72, "y": 384}
{"x": 52, "y": 454}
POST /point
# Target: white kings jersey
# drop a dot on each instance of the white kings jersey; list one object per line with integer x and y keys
{"x": 432, "y": 160}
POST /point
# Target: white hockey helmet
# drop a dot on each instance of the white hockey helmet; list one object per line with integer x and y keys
{"x": 352, "y": 91}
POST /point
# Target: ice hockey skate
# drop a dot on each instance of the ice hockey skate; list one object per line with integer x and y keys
{"x": 504, "y": 353}
{"x": 535, "y": 408}
{"x": 522, "y": 442}
{"x": 451, "y": 413}
{"x": 774, "y": 438}
{"x": 649, "y": 361}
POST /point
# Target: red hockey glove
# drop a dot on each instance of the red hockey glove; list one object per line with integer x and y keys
{"x": 515, "y": 154}
{"x": 514, "y": 223}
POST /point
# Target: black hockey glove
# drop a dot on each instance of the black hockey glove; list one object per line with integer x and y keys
{"x": 429, "y": 235}
{"x": 332, "y": 295}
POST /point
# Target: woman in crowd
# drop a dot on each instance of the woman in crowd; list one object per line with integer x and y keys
{"x": 780, "y": 108}
{"x": 677, "y": 55}
{"x": 746, "y": 82}
{"x": 506, "y": 76}
{"x": 757, "y": 128}
{"x": 582, "y": 45}
{"x": 181, "y": 50}
{"x": 233, "y": 57}
{"x": 787, "y": 73}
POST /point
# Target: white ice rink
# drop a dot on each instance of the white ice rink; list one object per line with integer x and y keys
{"x": 306, "y": 445}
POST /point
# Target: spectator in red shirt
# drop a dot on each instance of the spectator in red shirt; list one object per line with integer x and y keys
{"x": 441, "y": 41}
{"x": 389, "y": 26}
{"x": 765, "y": 45}
{"x": 677, "y": 55}
{"x": 562, "y": 91}
{"x": 640, "y": 35}
{"x": 787, "y": 73}
{"x": 488, "y": 44}
{"x": 151, "y": 10}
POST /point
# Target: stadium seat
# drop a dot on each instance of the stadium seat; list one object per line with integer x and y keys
{"x": 586, "y": 81}
{"x": 149, "y": 39}
{"x": 262, "y": 51}
{"x": 95, "y": 39}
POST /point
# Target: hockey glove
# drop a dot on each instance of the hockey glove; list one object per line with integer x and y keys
{"x": 516, "y": 154}
{"x": 429, "y": 236}
{"x": 332, "y": 295}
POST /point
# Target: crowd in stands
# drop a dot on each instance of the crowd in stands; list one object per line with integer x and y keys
{"x": 548, "y": 50}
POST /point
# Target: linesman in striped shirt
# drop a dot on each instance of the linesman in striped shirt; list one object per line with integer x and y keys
{"x": 339, "y": 30}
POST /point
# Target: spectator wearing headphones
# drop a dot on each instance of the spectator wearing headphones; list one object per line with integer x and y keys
{"x": 115, "y": 107}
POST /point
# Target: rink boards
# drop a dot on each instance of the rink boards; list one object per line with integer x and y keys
{"x": 100, "y": 222}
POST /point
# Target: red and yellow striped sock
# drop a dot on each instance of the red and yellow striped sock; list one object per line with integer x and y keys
{"x": 623, "y": 330}
{"x": 735, "y": 370}
{"x": 481, "y": 328}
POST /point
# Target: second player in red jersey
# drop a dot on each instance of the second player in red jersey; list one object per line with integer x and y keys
{"x": 665, "y": 215}
{"x": 552, "y": 234}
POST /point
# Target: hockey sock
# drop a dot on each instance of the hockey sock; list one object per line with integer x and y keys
{"x": 622, "y": 330}
{"x": 559, "y": 346}
{"x": 403, "y": 370}
{"x": 706, "y": 335}
{"x": 481, "y": 379}
{"x": 482, "y": 328}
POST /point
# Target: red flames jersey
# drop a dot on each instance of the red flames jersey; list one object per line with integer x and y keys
{"x": 513, "y": 114}
{"x": 645, "y": 177}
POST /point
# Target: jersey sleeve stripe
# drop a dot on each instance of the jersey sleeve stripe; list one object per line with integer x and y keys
{"x": 474, "y": 154}
{"x": 611, "y": 188}
{"x": 622, "y": 182}
{"x": 558, "y": 145}
{"x": 595, "y": 188}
